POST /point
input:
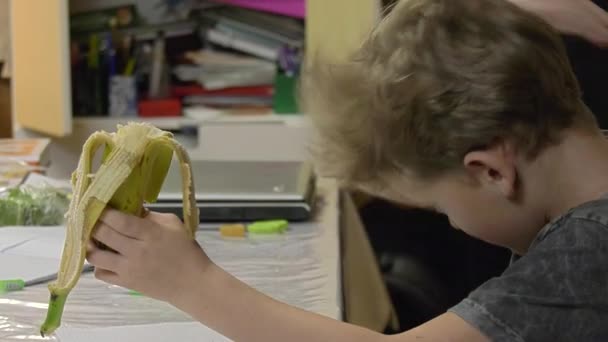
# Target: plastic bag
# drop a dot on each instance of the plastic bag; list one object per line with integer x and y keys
{"x": 27, "y": 205}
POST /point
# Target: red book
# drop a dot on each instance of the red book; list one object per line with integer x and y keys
{"x": 188, "y": 90}
{"x": 160, "y": 107}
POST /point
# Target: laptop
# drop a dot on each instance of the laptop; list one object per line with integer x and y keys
{"x": 229, "y": 191}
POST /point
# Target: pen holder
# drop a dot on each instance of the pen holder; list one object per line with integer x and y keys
{"x": 123, "y": 96}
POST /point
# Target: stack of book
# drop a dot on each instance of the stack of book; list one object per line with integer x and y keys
{"x": 225, "y": 81}
{"x": 247, "y": 53}
{"x": 255, "y": 33}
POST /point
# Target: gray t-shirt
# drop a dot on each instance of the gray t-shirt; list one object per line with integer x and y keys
{"x": 558, "y": 291}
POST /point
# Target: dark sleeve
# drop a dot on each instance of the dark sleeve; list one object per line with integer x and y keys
{"x": 557, "y": 292}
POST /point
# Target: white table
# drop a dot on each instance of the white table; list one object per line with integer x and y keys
{"x": 301, "y": 267}
{"x": 326, "y": 267}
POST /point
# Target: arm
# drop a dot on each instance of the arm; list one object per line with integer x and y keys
{"x": 264, "y": 319}
{"x": 155, "y": 257}
{"x": 573, "y": 17}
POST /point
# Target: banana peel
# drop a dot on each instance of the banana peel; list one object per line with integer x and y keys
{"x": 134, "y": 165}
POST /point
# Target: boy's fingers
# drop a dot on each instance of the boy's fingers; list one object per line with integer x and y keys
{"x": 113, "y": 239}
{"x": 601, "y": 40}
{"x": 90, "y": 246}
{"x": 599, "y": 12}
{"x": 597, "y": 32}
{"x": 104, "y": 260}
{"x": 125, "y": 224}
{"x": 107, "y": 276}
{"x": 164, "y": 219}
{"x": 598, "y": 36}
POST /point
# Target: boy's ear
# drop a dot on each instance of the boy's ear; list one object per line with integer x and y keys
{"x": 494, "y": 166}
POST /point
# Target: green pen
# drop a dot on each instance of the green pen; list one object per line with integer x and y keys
{"x": 11, "y": 285}
{"x": 135, "y": 293}
{"x": 130, "y": 67}
{"x": 268, "y": 227}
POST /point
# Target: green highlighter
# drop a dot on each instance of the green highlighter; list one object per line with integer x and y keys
{"x": 135, "y": 293}
{"x": 11, "y": 285}
{"x": 268, "y": 227}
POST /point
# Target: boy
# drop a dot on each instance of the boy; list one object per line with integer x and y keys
{"x": 466, "y": 107}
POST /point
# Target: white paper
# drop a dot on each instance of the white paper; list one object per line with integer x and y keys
{"x": 202, "y": 113}
{"x": 26, "y": 268}
{"x": 182, "y": 332}
{"x": 12, "y": 236}
{"x": 45, "y": 242}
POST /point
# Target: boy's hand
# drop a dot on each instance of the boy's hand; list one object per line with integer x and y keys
{"x": 574, "y": 17}
{"x": 154, "y": 255}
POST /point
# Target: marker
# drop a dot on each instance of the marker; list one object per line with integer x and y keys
{"x": 232, "y": 230}
{"x": 268, "y": 227}
{"x": 19, "y": 284}
{"x": 110, "y": 54}
{"x": 11, "y": 285}
{"x": 130, "y": 67}
{"x": 130, "y": 56}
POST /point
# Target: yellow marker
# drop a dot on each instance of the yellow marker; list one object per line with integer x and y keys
{"x": 232, "y": 230}
{"x": 130, "y": 67}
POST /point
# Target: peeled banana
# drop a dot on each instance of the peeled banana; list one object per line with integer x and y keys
{"x": 135, "y": 161}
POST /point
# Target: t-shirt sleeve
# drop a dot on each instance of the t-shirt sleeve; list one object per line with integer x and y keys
{"x": 558, "y": 291}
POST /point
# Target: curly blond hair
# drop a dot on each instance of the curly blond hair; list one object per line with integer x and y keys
{"x": 435, "y": 80}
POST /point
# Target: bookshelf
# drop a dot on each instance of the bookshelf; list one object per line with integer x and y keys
{"x": 41, "y": 85}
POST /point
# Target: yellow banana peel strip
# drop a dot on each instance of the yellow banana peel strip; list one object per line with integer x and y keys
{"x": 135, "y": 162}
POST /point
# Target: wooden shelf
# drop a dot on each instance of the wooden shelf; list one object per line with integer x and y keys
{"x": 163, "y": 123}
{"x": 171, "y": 123}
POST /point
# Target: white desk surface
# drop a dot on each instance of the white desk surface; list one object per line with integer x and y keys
{"x": 301, "y": 267}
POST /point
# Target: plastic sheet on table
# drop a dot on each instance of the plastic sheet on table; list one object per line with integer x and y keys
{"x": 286, "y": 267}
